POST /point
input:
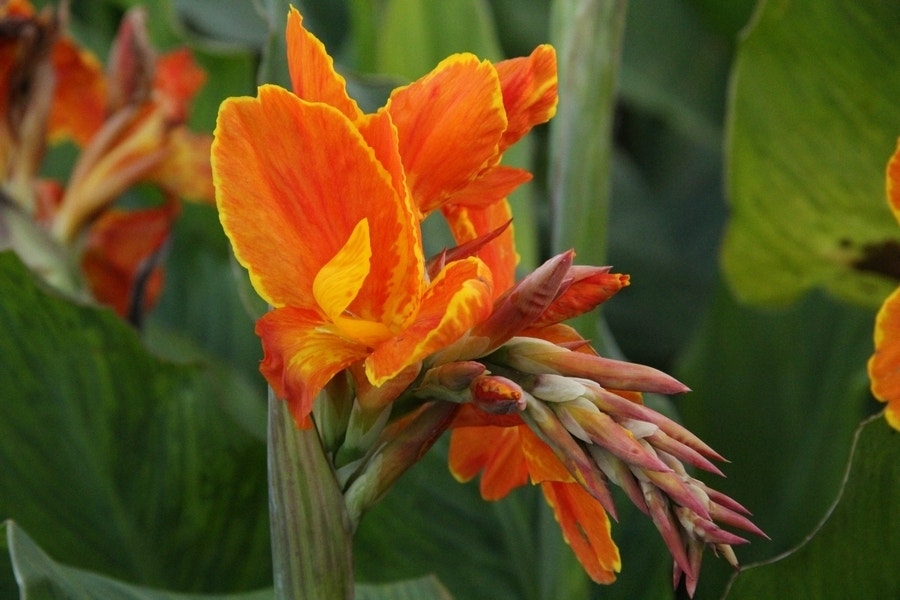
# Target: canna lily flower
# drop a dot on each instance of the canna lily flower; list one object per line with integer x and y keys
{"x": 129, "y": 125}
{"x": 460, "y": 175}
{"x": 338, "y": 257}
{"x": 884, "y": 365}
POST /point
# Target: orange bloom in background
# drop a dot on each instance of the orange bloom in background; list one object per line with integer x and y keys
{"x": 453, "y": 126}
{"x": 884, "y": 366}
{"x": 129, "y": 125}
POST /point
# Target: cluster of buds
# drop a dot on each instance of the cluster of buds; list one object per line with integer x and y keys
{"x": 586, "y": 409}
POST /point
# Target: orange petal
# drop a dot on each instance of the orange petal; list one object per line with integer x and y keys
{"x": 79, "y": 98}
{"x": 591, "y": 287}
{"x": 177, "y": 80}
{"x": 468, "y": 223}
{"x": 529, "y": 92}
{"x": 493, "y": 184}
{"x": 458, "y": 298}
{"x": 450, "y": 123}
{"x": 312, "y": 71}
{"x": 543, "y": 464}
{"x": 893, "y": 182}
{"x": 496, "y": 451}
{"x": 884, "y": 365}
{"x": 397, "y": 311}
{"x": 117, "y": 249}
{"x": 302, "y": 353}
{"x": 586, "y": 528}
{"x": 275, "y": 160}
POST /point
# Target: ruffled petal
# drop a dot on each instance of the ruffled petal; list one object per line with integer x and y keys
{"x": 496, "y": 451}
{"x": 529, "y": 92}
{"x": 586, "y": 528}
{"x": 313, "y": 77}
{"x": 302, "y": 353}
{"x": 287, "y": 213}
{"x": 460, "y": 95}
{"x": 884, "y": 365}
{"x": 458, "y": 298}
{"x": 468, "y": 223}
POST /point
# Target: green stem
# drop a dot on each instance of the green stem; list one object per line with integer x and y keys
{"x": 312, "y": 552}
{"x": 588, "y": 38}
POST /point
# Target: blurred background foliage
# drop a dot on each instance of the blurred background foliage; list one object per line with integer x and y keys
{"x": 743, "y": 183}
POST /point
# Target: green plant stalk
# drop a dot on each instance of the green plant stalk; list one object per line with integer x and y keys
{"x": 312, "y": 552}
{"x": 588, "y": 36}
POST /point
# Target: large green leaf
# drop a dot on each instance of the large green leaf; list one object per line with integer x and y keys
{"x": 779, "y": 394}
{"x": 853, "y": 554}
{"x": 41, "y": 578}
{"x": 813, "y": 120}
{"x": 117, "y": 461}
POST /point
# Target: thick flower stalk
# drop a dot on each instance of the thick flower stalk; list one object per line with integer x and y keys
{"x": 382, "y": 350}
{"x": 129, "y": 126}
{"x": 884, "y": 366}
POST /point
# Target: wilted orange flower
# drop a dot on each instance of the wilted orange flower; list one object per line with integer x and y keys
{"x": 884, "y": 366}
{"x": 129, "y": 124}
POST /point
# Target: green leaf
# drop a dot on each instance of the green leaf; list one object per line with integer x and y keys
{"x": 814, "y": 119}
{"x": 118, "y": 461}
{"x": 588, "y": 38}
{"x": 42, "y": 578}
{"x": 853, "y": 553}
{"x": 779, "y": 394}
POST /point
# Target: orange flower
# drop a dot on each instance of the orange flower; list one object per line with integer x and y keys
{"x": 317, "y": 210}
{"x": 495, "y": 105}
{"x": 884, "y": 366}
{"x": 129, "y": 125}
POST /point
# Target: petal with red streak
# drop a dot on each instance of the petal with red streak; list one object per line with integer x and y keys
{"x": 592, "y": 286}
{"x": 458, "y": 298}
{"x": 884, "y": 365}
{"x": 450, "y": 123}
{"x": 302, "y": 353}
{"x": 468, "y": 223}
{"x": 118, "y": 246}
{"x": 586, "y": 528}
{"x": 313, "y": 77}
{"x": 529, "y": 92}
{"x": 275, "y": 160}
